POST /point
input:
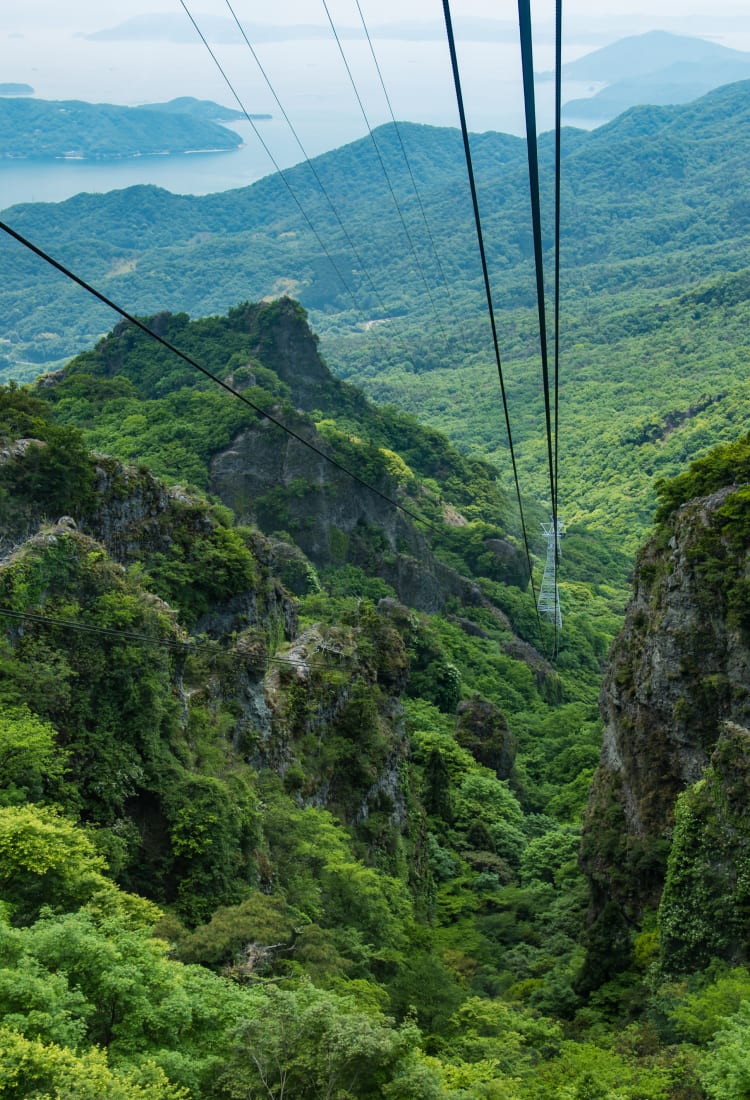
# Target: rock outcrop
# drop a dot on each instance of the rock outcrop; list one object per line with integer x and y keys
{"x": 271, "y": 479}
{"x": 679, "y": 672}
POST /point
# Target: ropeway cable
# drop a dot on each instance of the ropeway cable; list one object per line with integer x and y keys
{"x": 308, "y": 161}
{"x": 396, "y": 203}
{"x": 274, "y": 162}
{"x": 527, "y": 64}
{"x": 487, "y": 287}
{"x": 558, "y": 173}
{"x": 411, "y": 174}
{"x": 190, "y": 646}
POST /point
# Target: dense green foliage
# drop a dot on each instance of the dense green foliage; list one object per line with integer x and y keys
{"x": 329, "y": 847}
{"x": 724, "y": 466}
{"x": 361, "y": 829}
{"x": 135, "y": 400}
{"x": 703, "y": 910}
{"x": 55, "y": 473}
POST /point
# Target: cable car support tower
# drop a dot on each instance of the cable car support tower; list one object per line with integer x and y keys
{"x": 549, "y": 594}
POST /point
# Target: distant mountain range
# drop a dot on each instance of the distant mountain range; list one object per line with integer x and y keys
{"x": 71, "y": 129}
{"x": 656, "y": 68}
{"x": 173, "y": 27}
{"x": 645, "y": 186}
{"x": 166, "y": 27}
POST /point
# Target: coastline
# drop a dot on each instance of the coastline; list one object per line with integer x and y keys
{"x": 109, "y": 158}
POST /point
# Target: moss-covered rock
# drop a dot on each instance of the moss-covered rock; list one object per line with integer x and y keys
{"x": 678, "y": 672}
{"x": 705, "y": 907}
{"x": 482, "y": 728}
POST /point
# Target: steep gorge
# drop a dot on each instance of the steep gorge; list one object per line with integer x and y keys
{"x": 322, "y": 741}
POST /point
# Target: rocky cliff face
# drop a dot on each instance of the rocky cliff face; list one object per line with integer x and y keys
{"x": 272, "y": 480}
{"x": 269, "y": 478}
{"x": 679, "y": 672}
{"x": 282, "y": 337}
{"x": 135, "y": 517}
{"x": 324, "y": 716}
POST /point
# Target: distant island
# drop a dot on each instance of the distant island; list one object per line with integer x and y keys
{"x": 74, "y": 130}
{"x": 205, "y": 109}
{"x": 173, "y": 27}
{"x": 16, "y": 89}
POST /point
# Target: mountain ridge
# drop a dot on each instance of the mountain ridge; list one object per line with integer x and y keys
{"x": 643, "y": 54}
{"x": 657, "y": 67}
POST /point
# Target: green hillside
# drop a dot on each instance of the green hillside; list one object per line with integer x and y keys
{"x": 652, "y": 228}
{"x": 269, "y": 825}
{"x": 292, "y": 786}
{"x": 300, "y": 798}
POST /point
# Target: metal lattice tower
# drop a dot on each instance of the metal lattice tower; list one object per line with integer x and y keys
{"x": 549, "y": 595}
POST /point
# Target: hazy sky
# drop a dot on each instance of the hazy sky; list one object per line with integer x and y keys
{"x": 300, "y": 10}
{"x": 90, "y": 15}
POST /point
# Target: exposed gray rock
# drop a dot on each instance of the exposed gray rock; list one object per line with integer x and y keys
{"x": 273, "y": 480}
{"x": 679, "y": 670}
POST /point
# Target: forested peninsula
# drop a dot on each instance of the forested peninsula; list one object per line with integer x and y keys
{"x": 74, "y": 130}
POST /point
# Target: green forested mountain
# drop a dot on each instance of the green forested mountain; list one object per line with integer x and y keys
{"x": 654, "y": 253}
{"x": 292, "y": 807}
